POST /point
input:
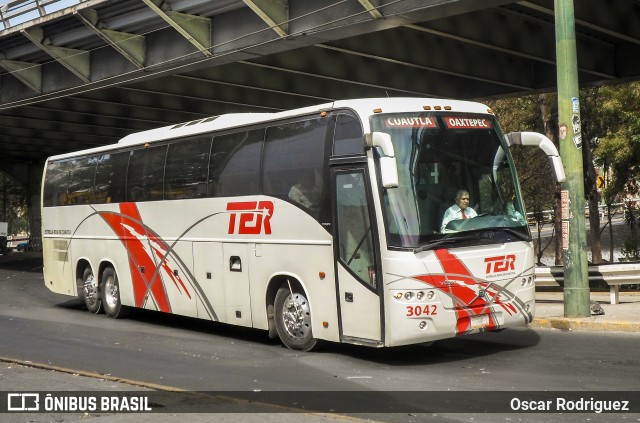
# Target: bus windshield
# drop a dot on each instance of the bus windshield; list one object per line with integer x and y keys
{"x": 440, "y": 158}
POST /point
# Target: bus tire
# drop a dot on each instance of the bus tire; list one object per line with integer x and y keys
{"x": 293, "y": 319}
{"x": 90, "y": 291}
{"x": 111, "y": 294}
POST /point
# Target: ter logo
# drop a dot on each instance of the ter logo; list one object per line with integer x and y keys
{"x": 250, "y": 217}
{"x": 500, "y": 263}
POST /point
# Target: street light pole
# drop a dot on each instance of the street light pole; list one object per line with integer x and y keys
{"x": 576, "y": 276}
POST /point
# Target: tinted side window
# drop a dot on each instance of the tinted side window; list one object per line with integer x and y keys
{"x": 293, "y": 163}
{"x": 348, "y": 137}
{"x": 235, "y": 163}
{"x": 81, "y": 175}
{"x": 55, "y": 184}
{"x": 146, "y": 174}
{"x": 186, "y": 169}
{"x": 111, "y": 177}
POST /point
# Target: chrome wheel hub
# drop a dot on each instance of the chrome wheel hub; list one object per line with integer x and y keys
{"x": 297, "y": 316}
{"x": 111, "y": 292}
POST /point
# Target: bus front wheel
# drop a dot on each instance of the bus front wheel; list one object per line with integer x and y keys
{"x": 111, "y": 294}
{"x": 293, "y": 318}
{"x": 90, "y": 291}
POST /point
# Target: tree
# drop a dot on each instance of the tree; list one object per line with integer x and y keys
{"x": 618, "y": 148}
{"x": 13, "y": 205}
{"x": 531, "y": 113}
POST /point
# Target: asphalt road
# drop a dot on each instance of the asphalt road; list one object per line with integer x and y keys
{"x": 39, "y": 326}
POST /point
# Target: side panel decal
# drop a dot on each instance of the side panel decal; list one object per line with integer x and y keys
{"x": 147, "y": 257}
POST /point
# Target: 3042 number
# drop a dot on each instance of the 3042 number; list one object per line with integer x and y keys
{"x": 422, "y": 310}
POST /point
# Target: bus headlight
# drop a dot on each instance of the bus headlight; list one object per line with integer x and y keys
{"x": 408, "y": 296}
{"x": 398, "y": 295}
{"x": 420, "y": 295}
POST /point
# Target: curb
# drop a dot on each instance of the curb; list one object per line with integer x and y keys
{"x": 588, "y": 323}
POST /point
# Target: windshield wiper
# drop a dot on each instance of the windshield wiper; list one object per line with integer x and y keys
{"x": 519, "y": 235}
{"x": 446, "y": 240}
{"x": 485, "y": 234}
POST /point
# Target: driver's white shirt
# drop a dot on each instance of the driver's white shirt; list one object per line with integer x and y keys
{"x": 454, "y": 213}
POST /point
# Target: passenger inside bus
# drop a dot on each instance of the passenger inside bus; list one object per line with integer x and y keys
{"x": 306, "y": 192}
{"x": 460, "y": 210}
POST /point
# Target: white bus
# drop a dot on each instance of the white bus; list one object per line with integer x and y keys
{"x": 322, "y": 223}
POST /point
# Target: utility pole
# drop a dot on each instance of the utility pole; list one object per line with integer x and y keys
{"x": 574, "y": 244}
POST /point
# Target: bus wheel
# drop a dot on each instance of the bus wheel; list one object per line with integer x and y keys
{"x": 90, "y": 291}
{"x": 111, "y": 294}
{"x": 293, "y": 319}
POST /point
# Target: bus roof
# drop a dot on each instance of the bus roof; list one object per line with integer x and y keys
{"x": 363, "y": 107}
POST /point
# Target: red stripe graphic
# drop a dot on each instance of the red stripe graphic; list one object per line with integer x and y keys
{"x": 141, "y": 244}
{"x": 458, "y": 283}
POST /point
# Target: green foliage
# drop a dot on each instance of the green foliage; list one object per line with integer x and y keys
{"x": 610, "y": 129}
{"x": 619, "y": 145}
{"x": 525, "y": 114}
{"x": 13, "y": 205}
{"x": 631, "y": 246}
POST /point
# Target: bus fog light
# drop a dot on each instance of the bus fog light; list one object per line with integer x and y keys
{"x": 430, "y": 295}
{"x": 423, "y": 324}
{"x": 420, "y": 295}
{"x": 398, "y": 295}
{"x": 527, "y": 307}
{"x": 408, "y": 295}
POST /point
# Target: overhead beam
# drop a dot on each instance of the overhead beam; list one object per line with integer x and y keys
{"x": 370, "y": 6}
{"x": 464, "y": 75}
{"x": 275, "y": 13}
{"x": 532, "y": 44}
{"x": 583, "y": 23}
{"x": 131, "y": 46}
{"x": 29, "y": 74}
{"x": 76, "y": 61}
{"x": 196, "y": 29}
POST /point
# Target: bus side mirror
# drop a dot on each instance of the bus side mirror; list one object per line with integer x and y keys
{"x": 388, "y": 164}
{"x": 541, "y": 141}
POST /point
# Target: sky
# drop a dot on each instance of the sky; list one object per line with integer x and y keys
{"x": 28, "y": 4}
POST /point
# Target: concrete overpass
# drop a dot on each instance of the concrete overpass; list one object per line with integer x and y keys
{"x": 93, "y": 72}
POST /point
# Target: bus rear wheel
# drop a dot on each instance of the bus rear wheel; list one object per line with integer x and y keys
{"x": 293, "y": 318}
{"x": 90, "y": 291}
{"x": 111, "y": 294}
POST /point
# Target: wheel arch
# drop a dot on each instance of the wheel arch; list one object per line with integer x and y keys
{"x": 101, "y": 268}
{"x": 81, "y": 264}
{"x": 275, "y": 282}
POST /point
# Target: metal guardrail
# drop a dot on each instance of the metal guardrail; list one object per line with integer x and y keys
{"x": 613, "y": 275}
{"x": 19, "y": 11}
{"x": 616, "y": 209}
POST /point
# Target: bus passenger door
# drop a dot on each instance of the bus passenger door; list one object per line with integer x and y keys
{"x": 356, "y": 258}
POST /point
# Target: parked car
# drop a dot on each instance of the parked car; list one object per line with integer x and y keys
{"x": 23, "y": 246}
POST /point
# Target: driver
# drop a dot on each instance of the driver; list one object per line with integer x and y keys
{"x": 460, "y": 210}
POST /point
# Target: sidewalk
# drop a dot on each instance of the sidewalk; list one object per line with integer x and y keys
{"x": 623, "y": 317}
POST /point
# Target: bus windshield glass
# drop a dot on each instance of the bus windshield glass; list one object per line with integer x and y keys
{"x": 457, "y": 182}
